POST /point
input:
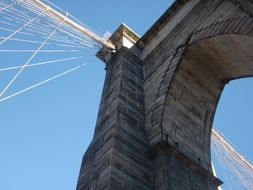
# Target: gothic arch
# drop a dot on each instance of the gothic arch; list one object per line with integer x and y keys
{"x": 232, "y": 41}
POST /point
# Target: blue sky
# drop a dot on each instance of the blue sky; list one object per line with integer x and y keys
{"x": 45, "y": 132}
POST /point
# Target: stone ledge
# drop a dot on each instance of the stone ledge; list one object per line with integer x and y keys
{"x": 164, "y": 146}
{"x": 122, "y": 37}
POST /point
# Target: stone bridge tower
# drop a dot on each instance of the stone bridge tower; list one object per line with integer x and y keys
{"x": 160, "y": 94}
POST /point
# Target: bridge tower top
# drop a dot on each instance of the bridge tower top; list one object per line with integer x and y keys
{"x": 122, "y": 37}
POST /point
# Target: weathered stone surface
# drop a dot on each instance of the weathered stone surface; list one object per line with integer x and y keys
{"x": 118, "y": 157}
{"x": 160, "y": 95}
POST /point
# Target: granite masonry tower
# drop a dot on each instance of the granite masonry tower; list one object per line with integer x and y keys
{"x": 160, "y": 95}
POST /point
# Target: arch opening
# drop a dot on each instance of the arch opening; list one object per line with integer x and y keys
{"x": 205, "y": 68}
{"x": 233, "y": 119}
